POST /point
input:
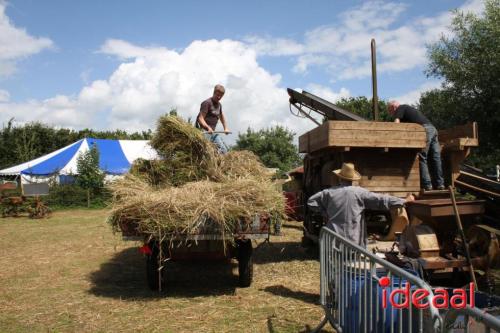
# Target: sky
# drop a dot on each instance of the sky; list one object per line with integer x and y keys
{"x": 121, "y": 64}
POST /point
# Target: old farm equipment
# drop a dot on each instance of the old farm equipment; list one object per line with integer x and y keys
{"x": 208, "y": 242}
{"x": 386, "y": 155}
{"x": 28, "y": 201}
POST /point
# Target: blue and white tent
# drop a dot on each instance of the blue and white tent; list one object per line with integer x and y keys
{"x": 115, "y": 158}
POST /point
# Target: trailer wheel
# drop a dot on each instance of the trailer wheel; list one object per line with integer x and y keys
{"x": 155, "y": 279}
{"x": 245, "y": 263}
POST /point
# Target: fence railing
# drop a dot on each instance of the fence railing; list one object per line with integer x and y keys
{"x": 470, "y": 320}
{"x": 355, "y": 291}
{"x": 361, "y": 292}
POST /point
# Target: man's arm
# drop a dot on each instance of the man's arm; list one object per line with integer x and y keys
{"x": 383, "y": 201}
{"x": 223, "y": 121}
{"x": 399, "y": 114}
{"x": 316, "y": 203}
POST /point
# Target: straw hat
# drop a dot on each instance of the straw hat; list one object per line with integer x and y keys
{"x": 347, "y": 172}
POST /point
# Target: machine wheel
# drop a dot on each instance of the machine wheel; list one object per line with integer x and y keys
{"x": 156, "y": 279}
{"x": 245, "y": 263}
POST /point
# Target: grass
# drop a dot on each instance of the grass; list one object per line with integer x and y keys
{"x": 69, "y": 273}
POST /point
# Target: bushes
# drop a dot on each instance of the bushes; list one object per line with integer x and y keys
{"x": 72, "y": 196}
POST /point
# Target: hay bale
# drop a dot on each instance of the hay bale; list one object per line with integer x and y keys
{"x": 184, "y": 149}
{"x": 183, "y": 210}
{"x": 240, "y": 164}
{"x": 192, "y": 184}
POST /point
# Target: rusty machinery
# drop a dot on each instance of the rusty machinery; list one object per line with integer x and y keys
{"x": 431, "y": 232}
{"x": 28, "y": 201}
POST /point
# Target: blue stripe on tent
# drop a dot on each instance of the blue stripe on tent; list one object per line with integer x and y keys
{"x": 112, "y": 160}
{"x": 55, "y": 163}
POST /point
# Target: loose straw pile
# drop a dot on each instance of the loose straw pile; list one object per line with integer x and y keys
{"x": 192, "y": 186}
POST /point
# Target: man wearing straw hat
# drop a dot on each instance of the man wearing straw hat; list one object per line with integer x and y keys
{"x": 344, "y": 205}
{"x": 210, "y": 113}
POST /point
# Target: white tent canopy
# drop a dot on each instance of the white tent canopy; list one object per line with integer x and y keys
{"x": 115, "y": 158}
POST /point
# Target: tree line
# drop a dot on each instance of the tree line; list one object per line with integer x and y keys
{"x": 22, "y": 143}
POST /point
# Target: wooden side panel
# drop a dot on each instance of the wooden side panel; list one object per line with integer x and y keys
{"x": 459, "y": 137}
{"x": 317, "y": 137}
{"x": 348, "y": 134}
{"x": 456, "y": 143}
{"x": 468, "y": 130}
{"x": 395, "y": 172}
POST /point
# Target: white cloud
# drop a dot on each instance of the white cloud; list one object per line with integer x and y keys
{"x": 367, "y": 16}
{"x": 412, "y": 97}
{"x": 150, "y": 81}
{"x": 343, "y": 49}
{"x": 327, "y": 93}
{"x": 16, "y": 44}
{"x": 4, "y": 96}
{"x": 274, "y": 46}
{"x": 125, "y": 50}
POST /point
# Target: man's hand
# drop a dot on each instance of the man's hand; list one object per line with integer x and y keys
{"x": 410, "y": 198}
{"x": 227, "y": 131}
{"x": 210, "y": 130}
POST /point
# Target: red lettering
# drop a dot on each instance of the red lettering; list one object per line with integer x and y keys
{"x": 419, "y": 295}
{"x": 405, "y": 292}
{"x": 472, "y": 294}
{"x": 384, "y": 298}
{"x": 440, "y": 294}
{"x": 459, "y": 299}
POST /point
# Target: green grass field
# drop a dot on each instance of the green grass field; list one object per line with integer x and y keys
{"x": 70, "y": 273}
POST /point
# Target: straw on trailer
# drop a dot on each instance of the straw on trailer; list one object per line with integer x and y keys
{"x": 192, "y": 184}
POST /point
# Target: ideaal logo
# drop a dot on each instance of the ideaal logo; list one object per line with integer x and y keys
{"x": 418, "y": 297}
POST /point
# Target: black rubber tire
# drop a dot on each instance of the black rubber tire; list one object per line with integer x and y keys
{"x": 155, "y": 281}
{"x": 245, "y": 264}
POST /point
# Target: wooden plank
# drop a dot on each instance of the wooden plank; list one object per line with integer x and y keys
{"x": 400, "y": 194}
{"x": 360, "y": 134}
{"x": 392, "y": 188}
{"x": 374, "y": 125}
{"x": 372, "y": 143}
{"x": 388, "y": 183}
{"x": 304, "y": 143}
{"x": 459, "y": 143}
{"x": 414, "y": 177}
{"x": 441, "y": 263}
{"x": 468, "y": 130}
{"x": 443, "y": 207}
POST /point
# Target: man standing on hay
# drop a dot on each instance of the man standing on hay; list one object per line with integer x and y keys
{"x": 344, "y": 205}
{"x": 210, "y": 113}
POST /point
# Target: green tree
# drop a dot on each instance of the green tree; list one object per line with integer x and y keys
{"x": 469, "y": 63}
{"x": 362, "y": 106}
{"x": 90, "y": 177}
{"x": 274, "y": 146}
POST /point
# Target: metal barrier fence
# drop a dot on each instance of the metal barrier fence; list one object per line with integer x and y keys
{"x": 355, "y": 292}
{"x": 470, "y": 320}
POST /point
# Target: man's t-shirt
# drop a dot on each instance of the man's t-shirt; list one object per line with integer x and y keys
{"x": 408, "y": 114}
{"x": 211, "y": 111}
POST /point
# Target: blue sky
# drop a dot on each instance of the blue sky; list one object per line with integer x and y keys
{"x": 121, "y": 64}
